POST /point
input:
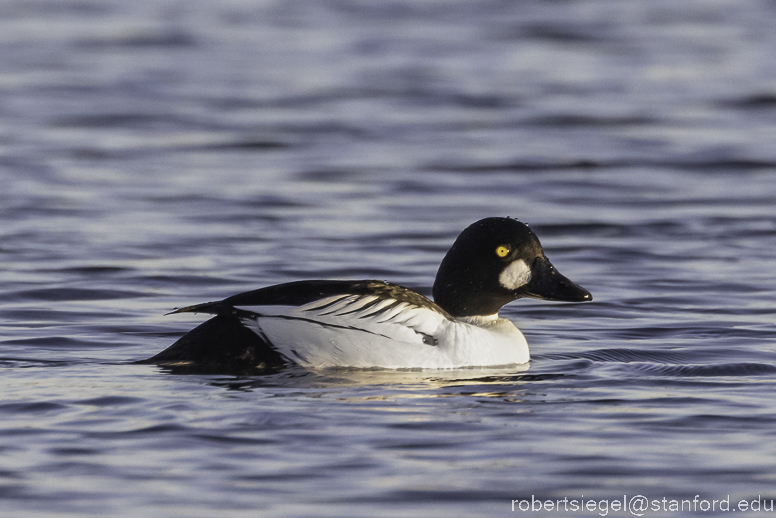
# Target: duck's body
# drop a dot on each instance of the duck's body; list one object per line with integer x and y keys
{"x": 365, "y": 324}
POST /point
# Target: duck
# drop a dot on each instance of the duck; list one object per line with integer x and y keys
{"x": 367, "y": 324}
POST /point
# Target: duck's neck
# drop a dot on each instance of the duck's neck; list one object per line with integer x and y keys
{"x": 467, "y": 299}
{"x": 480, "y": 320}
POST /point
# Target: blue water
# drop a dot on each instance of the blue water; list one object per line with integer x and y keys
{"x": 155, "y": 154}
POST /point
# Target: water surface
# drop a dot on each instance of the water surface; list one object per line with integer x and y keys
{"x": 159, "y": 154}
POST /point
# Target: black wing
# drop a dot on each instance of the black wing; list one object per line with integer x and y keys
{"x": 300, "y": 293}
{"x": 224, "y": 345}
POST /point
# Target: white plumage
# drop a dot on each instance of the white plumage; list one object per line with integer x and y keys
{"x": 367, "y": 331}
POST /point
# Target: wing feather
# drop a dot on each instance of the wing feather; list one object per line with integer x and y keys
{"x": 319, "y": 295}
{"x": 329, "y": 323}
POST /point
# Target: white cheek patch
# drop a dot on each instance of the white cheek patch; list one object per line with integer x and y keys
{"x": 515, "y": 275}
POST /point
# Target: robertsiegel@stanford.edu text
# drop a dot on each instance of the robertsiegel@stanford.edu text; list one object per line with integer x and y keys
{"x": 639, "y": 505}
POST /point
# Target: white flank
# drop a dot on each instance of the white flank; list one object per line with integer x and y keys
{"x": 355, "y": 331}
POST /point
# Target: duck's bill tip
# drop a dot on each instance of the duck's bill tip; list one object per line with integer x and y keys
{"x": 585, "y": 296}
{"x": 567, "y": 293}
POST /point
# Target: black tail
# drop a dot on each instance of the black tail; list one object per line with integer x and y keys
{"x": 222, "y": 345}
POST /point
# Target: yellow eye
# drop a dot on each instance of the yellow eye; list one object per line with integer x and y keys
{"x": 502, "y": 251}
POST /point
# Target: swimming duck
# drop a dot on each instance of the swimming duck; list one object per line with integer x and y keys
{"x": 371, "y": 323}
